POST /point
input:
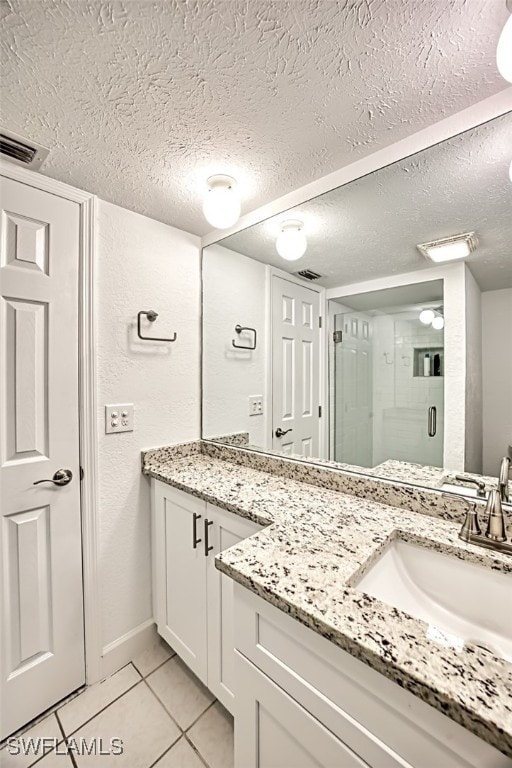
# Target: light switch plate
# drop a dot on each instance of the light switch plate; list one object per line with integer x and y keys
{"x": 255, "y": 405}
{"x": 118, "y": 418}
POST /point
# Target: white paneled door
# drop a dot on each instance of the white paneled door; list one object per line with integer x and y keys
{"x": 295, "y": 368}
{"x": 41, "y": 632}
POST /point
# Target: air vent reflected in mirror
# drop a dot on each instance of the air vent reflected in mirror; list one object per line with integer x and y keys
{"x": 308, "y": 274}
{"x": 22, "y": 151}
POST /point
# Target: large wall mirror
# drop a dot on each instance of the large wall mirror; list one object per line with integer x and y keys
{"x": 368, "y": 350}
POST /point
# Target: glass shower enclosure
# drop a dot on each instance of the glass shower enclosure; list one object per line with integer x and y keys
{"x": 387, "y": 381}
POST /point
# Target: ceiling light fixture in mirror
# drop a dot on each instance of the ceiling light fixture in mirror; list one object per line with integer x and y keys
{"x": 291, "y": 243}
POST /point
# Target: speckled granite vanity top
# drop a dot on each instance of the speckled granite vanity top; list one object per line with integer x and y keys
{"x": 315, "y": 545}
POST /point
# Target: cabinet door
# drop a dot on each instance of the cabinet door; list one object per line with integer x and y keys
{"x": 180, "y": 606}
{"x": 274, "y": 731}
{"x": 227, "y": 530}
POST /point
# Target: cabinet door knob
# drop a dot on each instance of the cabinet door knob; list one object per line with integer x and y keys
{"x": 207, "y": 548}
{"x": 195, "y": 540}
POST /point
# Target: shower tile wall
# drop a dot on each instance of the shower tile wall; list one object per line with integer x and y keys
{"x": 401, "y": 400}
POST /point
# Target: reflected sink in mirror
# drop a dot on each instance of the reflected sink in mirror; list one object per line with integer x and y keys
{"x": 463, "y": 603}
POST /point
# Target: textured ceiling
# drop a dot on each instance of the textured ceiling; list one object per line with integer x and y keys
{"x": 370, "y": 227}
{"x": 140, "y": 101}
{"x": 402, "y": 296}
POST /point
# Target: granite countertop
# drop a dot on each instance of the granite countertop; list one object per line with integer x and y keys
{"x": 315, "y": 545}
{"x": 391, "y": 469}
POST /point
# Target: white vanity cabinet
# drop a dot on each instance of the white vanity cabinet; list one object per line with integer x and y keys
{"x": 301, "y": 701}
{"x": 192, "y": 600}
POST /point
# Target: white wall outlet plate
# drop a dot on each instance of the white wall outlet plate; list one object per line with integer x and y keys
{"x": 118, "y": 418}
{"x": 255, "y": 405}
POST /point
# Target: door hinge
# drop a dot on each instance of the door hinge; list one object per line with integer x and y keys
{"x": 319, "y": 321}
{"x": 320, "y": 411}
{"x": 337, "y": 337}
{"x": 81, "y": 473}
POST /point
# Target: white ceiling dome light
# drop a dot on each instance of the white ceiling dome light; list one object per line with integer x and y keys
{"x": 221, "y": 205}
{"x": 291, "y": 243}
{"x": 433, "y": 317}
{"x": 504, "y": 50}
{"x": 426, "y": 316}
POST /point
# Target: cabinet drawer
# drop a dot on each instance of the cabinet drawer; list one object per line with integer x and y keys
{"x": 383, "y": 723}
{"x": 274, "y": 731}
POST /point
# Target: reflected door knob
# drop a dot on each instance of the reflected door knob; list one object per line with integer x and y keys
{"x": 61, "y": 477}
{"x": 280, "y": 432}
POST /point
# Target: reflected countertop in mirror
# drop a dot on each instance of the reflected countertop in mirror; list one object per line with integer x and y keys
{"x": 363, "y": 354}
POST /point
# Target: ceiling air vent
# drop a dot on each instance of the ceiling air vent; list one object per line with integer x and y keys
{"x": 308, "y": 274}
{"x": 21, "y": 150}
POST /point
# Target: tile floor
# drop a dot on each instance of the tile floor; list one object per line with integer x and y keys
{"x": 165, "y": 717}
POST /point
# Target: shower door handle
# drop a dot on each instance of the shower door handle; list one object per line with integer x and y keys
{"x": 432, "y": 421}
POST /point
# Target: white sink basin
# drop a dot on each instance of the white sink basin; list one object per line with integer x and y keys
{"x": 461, "y": 602}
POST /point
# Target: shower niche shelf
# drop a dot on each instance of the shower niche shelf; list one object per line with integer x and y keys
{"x": 434, "y": 353}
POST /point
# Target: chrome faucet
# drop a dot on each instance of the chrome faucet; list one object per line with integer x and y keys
{"x": 480, "y": 485}
{"x": 495, "y": 536}
{"x": 503, "y": 478}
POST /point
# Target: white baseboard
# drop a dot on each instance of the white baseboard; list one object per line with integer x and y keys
{"x": 122, "y": 650}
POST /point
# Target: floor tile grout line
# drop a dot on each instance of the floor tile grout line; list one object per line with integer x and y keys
{"x": 42, "y": 716}
{"x": 99, "y": 711}
{"x": 53, "y": 749}
{"x": 165, "y": 708}
{"x": 167, "y": 750}
{"x": 196, "y": 750}
{"x": 60, "y": 705}
{"x": 71, "y": 755}
{"x": 185, "y": 730}
{"x": 155, "y": 669}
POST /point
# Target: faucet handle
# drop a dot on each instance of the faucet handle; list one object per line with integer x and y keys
{"x": 471, "y": 525}
{"x": 496, "y": 522}
{"x": 480, "y": 484}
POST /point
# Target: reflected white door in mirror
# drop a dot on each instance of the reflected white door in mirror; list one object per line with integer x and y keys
{"x": 295, "y": 368}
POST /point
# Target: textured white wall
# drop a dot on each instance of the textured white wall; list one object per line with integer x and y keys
{"x": 234, "y": 292}
{"x": 473, "y": 447}
{"x": 141, "y": 264}
{"x": 497, "y": 377}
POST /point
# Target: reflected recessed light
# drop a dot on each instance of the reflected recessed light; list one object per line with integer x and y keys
{"x": 449, "y": 248}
